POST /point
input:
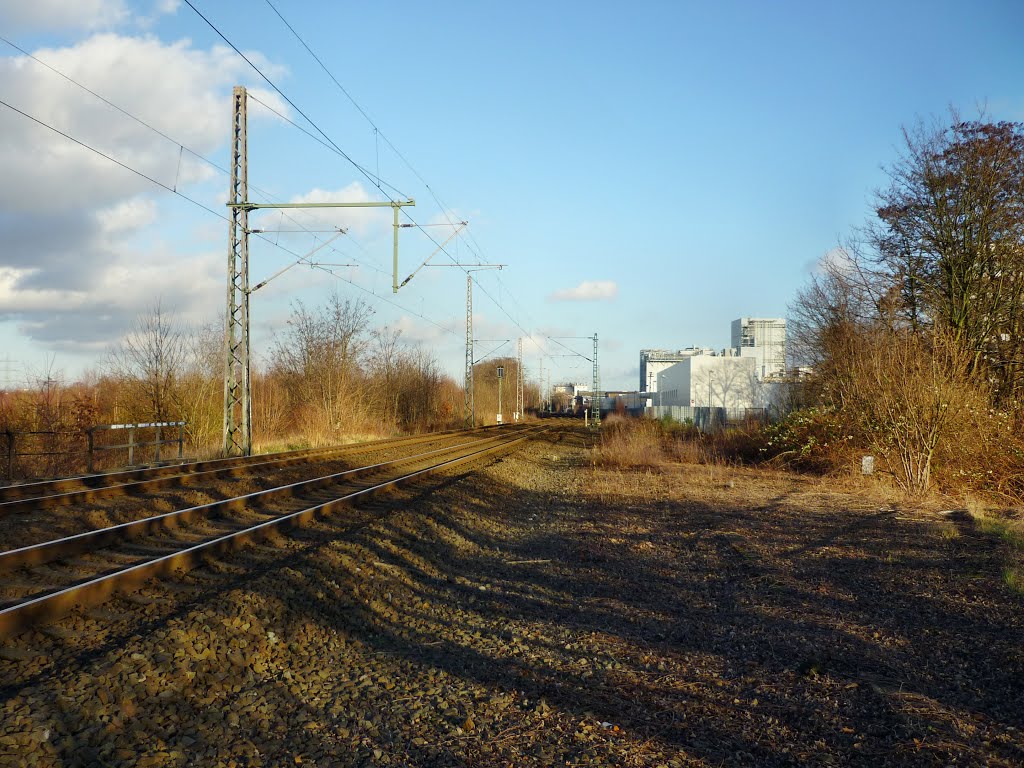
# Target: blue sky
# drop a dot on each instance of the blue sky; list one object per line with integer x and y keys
{"x": 692, "y": 161}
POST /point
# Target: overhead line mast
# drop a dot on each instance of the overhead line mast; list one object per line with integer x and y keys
{"x": 237, "y": 378}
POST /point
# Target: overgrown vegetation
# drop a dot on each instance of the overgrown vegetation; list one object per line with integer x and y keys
{"x": 328, "y": 376}
{"x": 914, "y": 330}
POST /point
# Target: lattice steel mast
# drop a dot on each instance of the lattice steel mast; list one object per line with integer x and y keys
{"x": 519, "y": 380}
{"x": 470, "y": 413}
{"x": 237, "y": 400}
{"x": 237, "y": 392}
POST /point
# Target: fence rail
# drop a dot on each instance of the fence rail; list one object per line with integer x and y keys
{"x": 705, "y": 418}
{"x": 53, "y": 453}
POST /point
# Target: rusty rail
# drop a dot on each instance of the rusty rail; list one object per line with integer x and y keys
{"x": 53, "y": 493}
{"x": 54, "y": 604}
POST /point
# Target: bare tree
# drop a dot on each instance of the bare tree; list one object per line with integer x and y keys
{"x": 319, "y": 357}
{"x": 148, "y": 363}
{"x": 949, "y": 240}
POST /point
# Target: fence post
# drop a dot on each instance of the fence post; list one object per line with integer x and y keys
{"x": 156, "y": 455}
{"x": 181, "y": 439}
{"x": 131, "y": 446}
{"x": 10, "y": 456}
{"x": 89, "y": 436}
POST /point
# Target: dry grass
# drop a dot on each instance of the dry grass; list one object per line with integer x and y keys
{"x": 631, "y": 444}
{"x": 1007, "y": 527}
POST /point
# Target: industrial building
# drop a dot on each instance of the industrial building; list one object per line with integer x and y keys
{"x": 762, "y": 339}
{"x": 653, "y": 361}
{"x": 700, "y": 381}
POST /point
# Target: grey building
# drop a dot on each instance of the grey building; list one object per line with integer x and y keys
{"x": 764, "y": 340}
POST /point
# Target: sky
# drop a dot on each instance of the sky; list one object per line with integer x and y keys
{"x": 647, "y": 172}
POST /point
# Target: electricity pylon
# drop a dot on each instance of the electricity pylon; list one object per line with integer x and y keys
{"x": 237, "y": 392}
{"x": 595, "y": 398}
{"x": 469, "y": 414}
{"x": 469, "y": 408}
{"x": 595, "y": 385}
{"x": 519, "y": 381}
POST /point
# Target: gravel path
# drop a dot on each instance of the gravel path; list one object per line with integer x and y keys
{"x": 538, "y": 613}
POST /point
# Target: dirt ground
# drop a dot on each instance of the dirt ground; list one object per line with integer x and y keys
{"x": 540, "y": 612}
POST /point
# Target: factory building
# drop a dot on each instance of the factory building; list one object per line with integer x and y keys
{"x": 764, "y": 341}
{"x": 699, "y": 381}
{"x": 653, "y": 361}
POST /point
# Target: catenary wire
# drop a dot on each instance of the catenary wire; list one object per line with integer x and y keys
{"x": 219, "y": 215}
{"x": 222, "y": 36}
{"x": 478, "y": 252}
{"x": 183, "y": 147}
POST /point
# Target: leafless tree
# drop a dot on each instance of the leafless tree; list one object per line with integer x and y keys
{"x": 148, "y": 363}
{"x": 318, "y": 356}
{"x": 949, "y": 242}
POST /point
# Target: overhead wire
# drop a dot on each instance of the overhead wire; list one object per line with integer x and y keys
{"x": 183, "y": 147}
{"x": 218, "y": 214}
{"x": 284, "y": 96}
{"x": 441, "y": 205}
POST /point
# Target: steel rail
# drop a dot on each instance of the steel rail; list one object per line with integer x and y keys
{"x": 77, "y": 544}
{"x": 173, "y": 476}
{"x": 91, "y": 592}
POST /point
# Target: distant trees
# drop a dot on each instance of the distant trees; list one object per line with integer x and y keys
{"x": 317, "y": 358}
{"x": 950, "y": 241}
{"x": 147, "y": 364}
{"x": 918, "y": 324}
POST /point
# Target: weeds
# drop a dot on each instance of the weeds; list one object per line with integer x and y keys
{"x": 631, "y": 444}
{"x": 1014, "y": 579}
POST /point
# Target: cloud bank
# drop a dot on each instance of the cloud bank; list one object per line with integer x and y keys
{"x": 588, "y": 290}
{"x": 85, "y": 242}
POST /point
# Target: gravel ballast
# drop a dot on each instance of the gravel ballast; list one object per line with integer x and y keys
{"x": 538, "y": 612}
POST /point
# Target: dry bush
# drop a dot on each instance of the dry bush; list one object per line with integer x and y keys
{"x": 631, "y": 443}
{"x": 908, "y": 395}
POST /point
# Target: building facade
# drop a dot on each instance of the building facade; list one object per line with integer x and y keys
{"x": 654, "y": 361}
{"x": 711, "y": 380}
{"x": 763, "y": 340}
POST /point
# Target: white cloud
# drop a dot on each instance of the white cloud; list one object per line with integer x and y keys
{"x": 415, "y": 330}
{"x": 837, "y": 259}
{"x": 82, "y": 15}
{"x": 77, "y": 269}
{"x": 178, "y": 89}
{"x": 20, "y": 15}
{"x": 588, "y": 290}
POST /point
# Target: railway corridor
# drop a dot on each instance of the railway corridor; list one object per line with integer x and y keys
{"x": 531, "y": 610}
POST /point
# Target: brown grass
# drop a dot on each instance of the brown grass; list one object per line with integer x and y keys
{"x": 631, "y": 444}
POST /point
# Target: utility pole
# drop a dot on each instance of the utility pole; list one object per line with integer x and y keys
{"x": 501, "y": 376}
{"x": 237, "y": 399}
{"x": 237, "y": 391}
{"x": 519, "y": 381}
{"x": 595, "y": 386}
{"x": 595, "y": 405}
{"x": 543, "y": 392}
{"x": 470, "y": 405}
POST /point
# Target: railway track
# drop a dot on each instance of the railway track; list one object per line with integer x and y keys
{"x": 65, "y": 491}
{"x": 45, "y": 581}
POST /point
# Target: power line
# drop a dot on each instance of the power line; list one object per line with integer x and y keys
{"x": 181, "y": 145}
{"x": 329, "y": 144}
{"x": 362, "y": 170}
{"x": 433, "y": 194}
{"x": 115, "y": 161}
{"x": 281, "y": 93}
{"x": 218, "y": 214}
{"x": 324, "y": 144}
